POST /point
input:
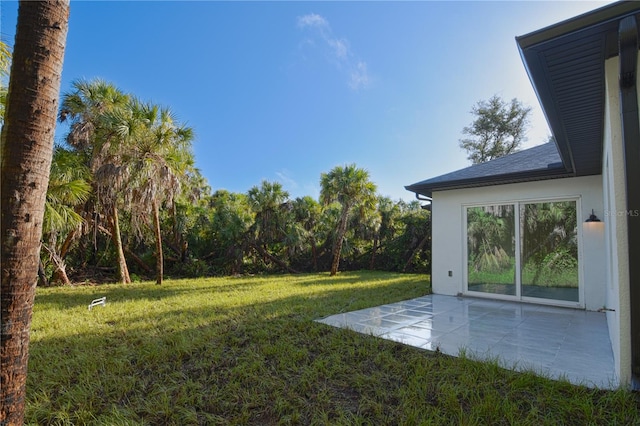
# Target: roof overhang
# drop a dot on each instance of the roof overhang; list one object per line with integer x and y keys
{"x": 566, "y": 65}
{"x": 528, "y": 176}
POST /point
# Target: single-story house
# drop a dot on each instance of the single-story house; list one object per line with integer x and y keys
{"x": 558, "y": 223}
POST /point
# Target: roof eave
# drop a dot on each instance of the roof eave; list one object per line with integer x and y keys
{"x": 529, "y": 176}
{"x": 592, "y": 35}
{"x": 577, "y": 23}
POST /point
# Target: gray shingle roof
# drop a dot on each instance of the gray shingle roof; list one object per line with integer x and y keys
{"x": 537, "y": 163}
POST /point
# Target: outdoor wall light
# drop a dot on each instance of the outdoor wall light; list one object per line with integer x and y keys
{"x": 592, "y": 217}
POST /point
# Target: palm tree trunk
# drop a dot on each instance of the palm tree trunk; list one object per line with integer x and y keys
{"x": 26, "y": 150}
{"x": 66, "y": 245}
{"x": 123, "y": 271}
{"x": 156, "y": 230}
{"x": 60, "y": 273}
{"x": 337, "y": 245}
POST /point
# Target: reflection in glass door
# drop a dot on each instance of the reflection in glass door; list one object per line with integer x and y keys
{"x": 491, "y": 257}
{"x": 549, "y": 250}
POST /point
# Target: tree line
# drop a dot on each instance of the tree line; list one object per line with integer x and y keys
{"x": 125, "y": 200}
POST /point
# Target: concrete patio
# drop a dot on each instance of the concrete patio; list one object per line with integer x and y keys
{"x": 552, "y": 341}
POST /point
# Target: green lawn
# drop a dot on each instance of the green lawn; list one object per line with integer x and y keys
{"x": 247, "y": 351}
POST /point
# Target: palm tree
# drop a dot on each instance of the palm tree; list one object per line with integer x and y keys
{"x": 89, "y": 109}
{"x": 85, "y": 108}
{"x": 269, "y": 203}
{"x": 32, "y": 104}
{"x": 68, "y": 187}
{"x": 349, "y": 186}
{"x": 362, "y": 228}
{"x": 158, "y": 157}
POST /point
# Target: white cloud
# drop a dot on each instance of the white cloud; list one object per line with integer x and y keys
{"x": 312, "y": 20}
{"x": 340, "y": 50}
{"x": 359, "y": 76}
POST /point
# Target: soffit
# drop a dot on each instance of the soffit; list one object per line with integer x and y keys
{"x": 565, "y": 63}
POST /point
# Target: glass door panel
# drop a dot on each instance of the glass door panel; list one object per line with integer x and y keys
{"x": 491, "y": 258}
{"x": 549, "y": 250}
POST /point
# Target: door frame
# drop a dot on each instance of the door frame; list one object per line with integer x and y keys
{"x": 517, "y": 204}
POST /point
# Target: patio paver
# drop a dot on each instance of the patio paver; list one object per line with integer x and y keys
{"x": 552, "y": 341}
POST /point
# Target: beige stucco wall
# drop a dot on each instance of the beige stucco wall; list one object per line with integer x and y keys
{"x": 449, "y": 231}
{"x": 617, "y": 296}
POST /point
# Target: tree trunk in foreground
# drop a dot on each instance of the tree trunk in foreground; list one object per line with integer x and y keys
{"x": 26, "y": 149}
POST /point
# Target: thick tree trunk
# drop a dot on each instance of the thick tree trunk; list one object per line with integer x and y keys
{"x": 157, "y": 231}
{"x": 26, "y": 149}
{"x": 123, "y": 271}
{"x": 337, "y": 245}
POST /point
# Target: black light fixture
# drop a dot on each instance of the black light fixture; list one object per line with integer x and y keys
{"x": 592, "y": 217}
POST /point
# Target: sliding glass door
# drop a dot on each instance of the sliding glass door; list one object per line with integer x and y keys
{"x": 533, "y": 254}
{"x": 491, "y": 249}
{"x": 549, "y": 250}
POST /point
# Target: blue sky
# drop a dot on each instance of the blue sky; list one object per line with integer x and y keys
{"x": 283, "y": 91}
